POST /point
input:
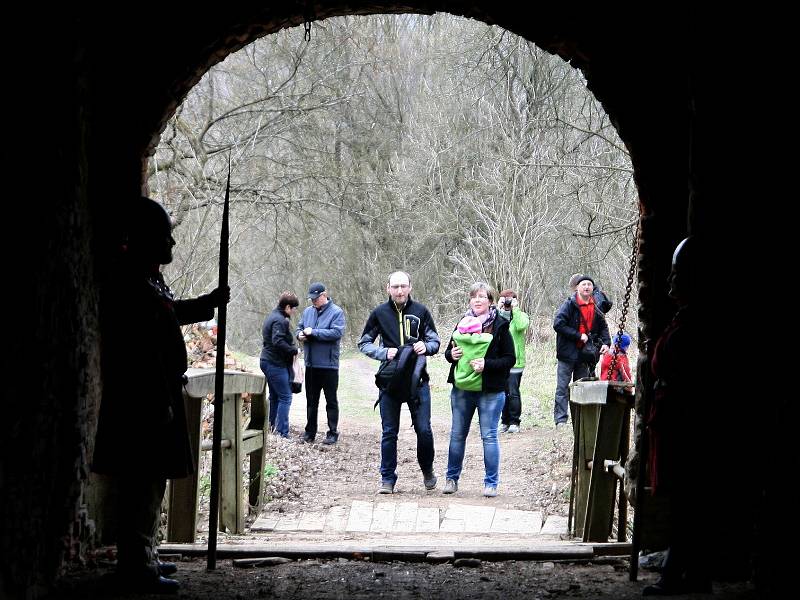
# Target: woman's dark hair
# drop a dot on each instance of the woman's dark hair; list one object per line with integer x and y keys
{"x": 288, "y": 299}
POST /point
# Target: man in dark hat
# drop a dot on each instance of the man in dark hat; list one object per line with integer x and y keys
{"x": 320, "y": 328}
{"x": 577, "y": 321}
{"x": 142, "y": 437}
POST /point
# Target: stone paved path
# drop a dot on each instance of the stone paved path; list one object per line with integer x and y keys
{"x": 393, "y": 517}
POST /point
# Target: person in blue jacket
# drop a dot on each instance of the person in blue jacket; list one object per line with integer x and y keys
{"x": 320, "y": 328}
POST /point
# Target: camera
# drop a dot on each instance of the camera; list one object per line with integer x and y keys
{"x": 506, "y": 301}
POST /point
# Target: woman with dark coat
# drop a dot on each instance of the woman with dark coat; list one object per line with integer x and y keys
{"x": 480, "y": 385}
{"x": 277, "y": 351}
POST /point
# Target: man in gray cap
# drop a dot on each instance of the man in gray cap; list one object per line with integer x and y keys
{"x": 320, "y": 328}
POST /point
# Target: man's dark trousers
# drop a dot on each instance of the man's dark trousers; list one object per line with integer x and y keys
{"x": 512, "y": 409}
{"x": 566, "y": 370}
{"x": 318, "y": 380}
{"x": 421, "y": 420}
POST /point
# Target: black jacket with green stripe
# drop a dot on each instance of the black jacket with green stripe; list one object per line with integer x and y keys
{"x": 396, "y": 328}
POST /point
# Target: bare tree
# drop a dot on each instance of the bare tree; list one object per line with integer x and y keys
{"x": 436, "y": 144}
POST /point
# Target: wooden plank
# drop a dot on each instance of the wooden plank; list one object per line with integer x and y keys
{"x": 259, "y": 422}
{"x": 478, "y": 519}
{"x": 299, "y": 551}
{"x": 590, "y": 417}
{"x": 360, "y": 517}
{"x": 202, "y": 382}
{"x": 270, "y": 561}
{"x": 440, "y": 556}
{"x": 506, "y": 521}
{"x": 288, "y": 522}
{"x": 253, "y": 443}
{"x": 311, "y": 521}
{"x": 267, "y": 523}
{"x": 554, "y": 525}
{"x": 382, "y": 517}
{"x": 336, "y": 519}
{"x": 529, "y": 522}
{"x": 562, "y": 552}
{"x": 611, "y": 548}
{"x": 231, "y": 517}
{"x": 183, "y": 493}
{"x": 405, "y": 517}
{"x": 451, "y": 526}
{"x": 602, "y": 484}
{"x": 453, "y": 521}
{"x": 455, "y": 511}
{"x": 427, "y": 520}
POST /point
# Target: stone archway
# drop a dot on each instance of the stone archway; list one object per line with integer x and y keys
{"x": 142, "y": 69}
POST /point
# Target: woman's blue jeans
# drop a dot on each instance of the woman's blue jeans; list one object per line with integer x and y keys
{"x": 490, "y": 407}
{"x": 280, "y": 396}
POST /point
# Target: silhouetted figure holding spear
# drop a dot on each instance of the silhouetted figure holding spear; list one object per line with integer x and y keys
{"x": 142, "y": 437}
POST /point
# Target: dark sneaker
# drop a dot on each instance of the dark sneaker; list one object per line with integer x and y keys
{"x": 429, "y": 479}
{"x": 387, "y": 487}
{"x": 308, "y": 439}
{"x": 450, "y": 487}
{"x": 330, "y": 439}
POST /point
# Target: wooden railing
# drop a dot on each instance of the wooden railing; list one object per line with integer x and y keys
{"x": 238, "y": 441}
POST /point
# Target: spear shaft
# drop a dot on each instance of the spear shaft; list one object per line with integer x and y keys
{"x": 219, "y": 383}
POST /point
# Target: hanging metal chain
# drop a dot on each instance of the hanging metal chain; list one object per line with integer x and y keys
{"x": 626, "y": 301}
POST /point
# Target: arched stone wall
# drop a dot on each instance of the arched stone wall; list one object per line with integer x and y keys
{"x": 110, "y": 85}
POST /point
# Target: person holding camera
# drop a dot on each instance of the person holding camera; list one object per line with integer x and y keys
{"x": 577, "y": 322}
{"x": 518, "y": 326}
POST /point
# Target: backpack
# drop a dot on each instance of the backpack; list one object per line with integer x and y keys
{"x": 601, "y": 300}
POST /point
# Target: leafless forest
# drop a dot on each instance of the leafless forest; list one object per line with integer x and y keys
{"x": 438, "y": 145}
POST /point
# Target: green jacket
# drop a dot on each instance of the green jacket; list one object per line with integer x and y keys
{"x": 474, "y": 345}
{"x": 518, "y": 326}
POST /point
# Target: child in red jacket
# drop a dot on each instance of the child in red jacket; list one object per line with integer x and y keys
{"x": 622, "y": 369}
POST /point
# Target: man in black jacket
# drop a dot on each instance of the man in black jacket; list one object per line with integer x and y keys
{"x": 577, "y": 320}
{"x": 399, "y": 322}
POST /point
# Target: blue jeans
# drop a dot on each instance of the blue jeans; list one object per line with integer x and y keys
{"x": 463, "y": 405}
{"x": 390, "y": 421}
{"x": 280, "y": 396}
{"x": 566, "y": 370}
